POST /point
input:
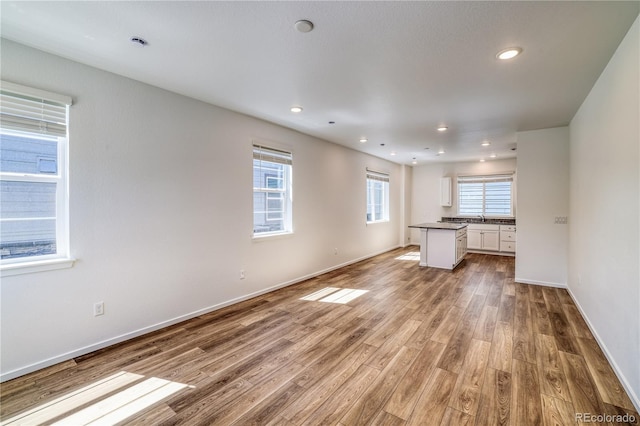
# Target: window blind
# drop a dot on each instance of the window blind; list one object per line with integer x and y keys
{"x": 262, "y": 153}
{"x": 383, "y": 177}
{"x": 32, "y": 110}
{"x": 486, "y": 178}
{"x": 489, "y": 195}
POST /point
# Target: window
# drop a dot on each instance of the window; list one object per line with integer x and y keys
{"x": 33, "y": 175}
{"x": 490, "y": 195}
{"x": 271, "y": 191}
{"x": 377, "y": 197}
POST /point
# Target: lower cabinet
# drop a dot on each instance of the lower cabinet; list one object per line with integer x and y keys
{"x": 508, "y": 238}
{"x": 483, "y": 237}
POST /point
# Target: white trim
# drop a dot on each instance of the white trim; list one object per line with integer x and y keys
{"x": 20, "y": 268}
{"x": 633, "y": 396}
{"x": 141, "y": 331}
{"x": 264, "y": 236}
{"x": 378, "y": 221}
{"x": 542, "y": 283}
{"x": 495, "y": 253}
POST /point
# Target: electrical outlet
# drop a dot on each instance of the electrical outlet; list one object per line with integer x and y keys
{"x": 560, "y": 220}
{"x": 242, "y": 276}
{"x": 98, "y": 309}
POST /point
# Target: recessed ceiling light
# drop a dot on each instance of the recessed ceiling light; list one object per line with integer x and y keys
{"x": 441, "y": 151}
{"x": 332, "y": 122}
{"x": 304, "y": 26}
{"x": 442, "y": 128}
{"x": 139, "y": 40}
{"x": 493, "y": 156}
{"x": 486, "y": 143}
{"x": 363, "y": 140}
{"x": 393, "y": 153}
{"x": 482, "y": 160}
{"x": 296, "y": 109}
{"x": 509, "y": 53}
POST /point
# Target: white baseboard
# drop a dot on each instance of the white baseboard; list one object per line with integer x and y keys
{"x": 542, "y": 283}
{"x": 625, "y": 384}
{"x": 123, "y": 337}
{"x": 493, "y": 253}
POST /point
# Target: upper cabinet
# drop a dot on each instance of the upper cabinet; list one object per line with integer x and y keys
{"x": 445, "y": 192}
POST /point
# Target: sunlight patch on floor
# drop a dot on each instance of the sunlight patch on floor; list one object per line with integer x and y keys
{"x": 108, "y": 411}
{"x": 334, "y": 295}
{"x": 412, "y": 255}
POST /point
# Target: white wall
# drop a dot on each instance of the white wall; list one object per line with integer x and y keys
{"x": 161, "y": 214}
{"x": 543, "y": 194}
{"x": 604, "y": 231}
{"x": 405, "y": 232}
{"x": 425, "y": 191}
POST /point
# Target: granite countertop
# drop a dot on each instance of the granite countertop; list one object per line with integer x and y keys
{"x": 486, "y": 221}
{"x": 442, "y": 225}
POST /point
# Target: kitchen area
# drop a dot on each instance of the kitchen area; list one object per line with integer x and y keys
{"x": 444, "y": 244}
{"x": 470, "y": 208}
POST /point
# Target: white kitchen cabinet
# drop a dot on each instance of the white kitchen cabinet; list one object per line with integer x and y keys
{"x": 474, "y": 239}
{"x": 491, "y": 240}
{"x": 445, "y": 248}
{"x": 483, "y": 237}
{"x": 461, "y": 247}
{"x": 442, "y": 245}
{"x": 507, "y": 238}
{"x": 445, "y": 192}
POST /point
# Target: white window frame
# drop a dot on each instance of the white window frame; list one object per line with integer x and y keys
{"x": 45, "y": 128}
{"x": 484, "y": 179}
{"x": 277, "y": 155}
{"x": 382, "y": 177}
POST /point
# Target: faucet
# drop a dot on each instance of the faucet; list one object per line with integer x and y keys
{"x": 482, "y": 217}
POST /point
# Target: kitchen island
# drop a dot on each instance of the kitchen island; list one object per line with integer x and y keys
{"x": 442, "y": 245}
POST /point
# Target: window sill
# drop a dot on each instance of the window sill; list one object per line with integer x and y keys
{"x": 35, "y": 266}
{"x": 276, "y": 236}
{"x": 378, "y": 221}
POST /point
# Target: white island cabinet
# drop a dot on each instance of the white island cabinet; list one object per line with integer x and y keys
{"x": 442, "y": 245}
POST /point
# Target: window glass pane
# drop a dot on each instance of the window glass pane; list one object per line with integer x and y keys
{"x": 485, "y": 195}
{"x": 498, "y": 198}
{"x": 28, "y": 211}
{"x": 274, "y": 182}
{"x": 19, "y": 154}
{"x": 275, "y": 207}
{"x": 271, "y": 192}
{"x": 377, "y": 200}
{"x": 471, "y": 198}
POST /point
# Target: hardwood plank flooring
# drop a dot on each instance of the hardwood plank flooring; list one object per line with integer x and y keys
{"x": 422, "y": 346}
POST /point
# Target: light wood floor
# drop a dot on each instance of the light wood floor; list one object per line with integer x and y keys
{"x": 422, "y": 346}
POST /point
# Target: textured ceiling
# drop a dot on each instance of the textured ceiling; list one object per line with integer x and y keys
{"x": 388, "y": 71}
